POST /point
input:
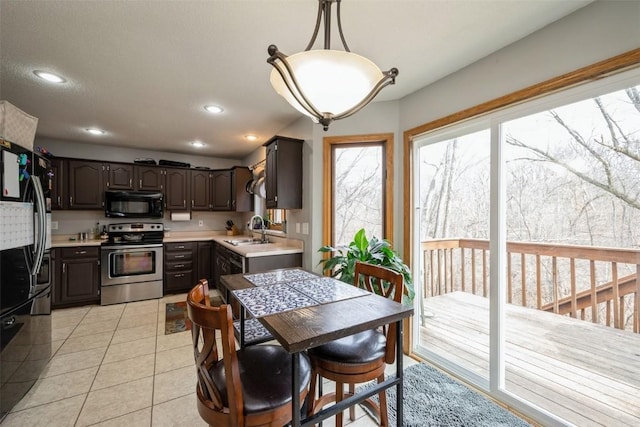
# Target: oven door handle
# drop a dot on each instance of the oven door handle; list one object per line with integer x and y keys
{"x": 129, "y": 248}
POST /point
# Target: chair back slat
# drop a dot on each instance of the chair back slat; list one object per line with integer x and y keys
{"x": 206, "y": 320}
{"x": 387, "y": 283}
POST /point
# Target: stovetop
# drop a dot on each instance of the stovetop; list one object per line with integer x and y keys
{"x": 136, "y": 233}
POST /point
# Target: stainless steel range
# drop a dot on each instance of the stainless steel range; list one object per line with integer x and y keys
{"x": 131, "y": 263}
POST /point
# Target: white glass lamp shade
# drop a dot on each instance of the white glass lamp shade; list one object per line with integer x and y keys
{"x": 333, "y": 81}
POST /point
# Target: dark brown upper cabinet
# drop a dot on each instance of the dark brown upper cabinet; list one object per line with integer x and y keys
{"x": 229, "y": 190}
{"x": 150, "y": 178}
{"x": 176, "y": 195}
{"x": 85, "y": 185}
{"x": 58, "y": 188}
{"x": 119, "y": 176}
{"x": 221, "y": 184}
{"x": 241, "y": 200}
{"x": 201, "y": 190}
{"x": 283, "y": 173}
{"x": 80, "y": 184}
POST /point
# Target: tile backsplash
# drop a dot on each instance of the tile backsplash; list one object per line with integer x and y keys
{"x": 73, "y": 222}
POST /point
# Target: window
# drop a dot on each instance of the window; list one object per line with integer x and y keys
{"x": 357, "y": 180}
{"x": 277, "y": 219}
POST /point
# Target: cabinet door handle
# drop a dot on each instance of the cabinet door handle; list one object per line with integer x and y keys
{"x": 179, "y": 275}
{"x": 140, "y": 186}
{"x": 227, "y": 203}
{"x": 192, "y": 202}
{"x": 179, "y": 265}
{"x": 81, "y": 252}
{"x": 64, "y": 267}
{"x": 130, "y": 182}
{"x": 180, "y": 247}
{"x": 70, "y": 200}
{"x": 184, "y": 203}
{"x": 58, "y": 200}
{"x": 179, "y": 256}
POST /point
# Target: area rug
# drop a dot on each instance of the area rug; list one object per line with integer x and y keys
{"x": 431, "y": 398}
{"x": 176, "y": 319}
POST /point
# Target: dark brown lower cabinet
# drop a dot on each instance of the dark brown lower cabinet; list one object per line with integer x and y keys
{"x": 179, "y": 266}
{"x": 76, "y": 276}
{"x": 185, "y": 263}
{"x": 205, "y": 262}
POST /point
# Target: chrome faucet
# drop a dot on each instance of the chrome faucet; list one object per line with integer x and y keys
{"x": 262, "y": 228}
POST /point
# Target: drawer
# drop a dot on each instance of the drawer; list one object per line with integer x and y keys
{"x": 179, "y": 246}
{"x": 178, "y": 256}
{"x": 178, "y": 266}
{"x": 80, "y": 252}
{"x": 179, "y": 280}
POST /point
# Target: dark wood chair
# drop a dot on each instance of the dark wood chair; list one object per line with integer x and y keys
{"x": 361, "y": 357}
{"x": 246, "y": 387}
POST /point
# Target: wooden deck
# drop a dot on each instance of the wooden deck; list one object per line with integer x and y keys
{"x": 586, "y": 373}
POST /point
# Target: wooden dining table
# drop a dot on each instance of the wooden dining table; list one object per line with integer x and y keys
{"x": 302, "y": 310}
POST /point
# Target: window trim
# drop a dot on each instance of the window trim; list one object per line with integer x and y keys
{"x": 327, "y": 208}
{"x": 605, "y": 68}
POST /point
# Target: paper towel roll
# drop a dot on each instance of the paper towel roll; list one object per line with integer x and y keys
{"x": 180, "y": 216}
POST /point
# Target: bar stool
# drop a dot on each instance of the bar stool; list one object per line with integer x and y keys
{"x": 361, "y": 357}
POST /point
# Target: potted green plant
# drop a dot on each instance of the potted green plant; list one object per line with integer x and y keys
{"x": 341, "y": 264}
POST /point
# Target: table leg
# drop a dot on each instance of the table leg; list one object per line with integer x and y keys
{"x": 399, "y": 374}
{"x": 242, "y": 316}
{"x": 295, "y": 389}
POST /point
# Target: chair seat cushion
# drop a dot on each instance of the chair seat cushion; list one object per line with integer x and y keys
{"x": 362, "y": 347}
{"x": 265, "y": 374}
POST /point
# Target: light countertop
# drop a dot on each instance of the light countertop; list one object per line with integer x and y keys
{"x": 279, "y": 245}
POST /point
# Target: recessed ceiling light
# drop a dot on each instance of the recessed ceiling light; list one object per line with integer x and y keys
{"x": 214, "y": 109}
{"x": 95, "y": 131}
{"x": 50, "y": 77}
{"x": 250, "y": 137}
{"x": 198, "y": 144}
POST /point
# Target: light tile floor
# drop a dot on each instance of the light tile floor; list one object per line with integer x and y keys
{"x": 114, "y": 366}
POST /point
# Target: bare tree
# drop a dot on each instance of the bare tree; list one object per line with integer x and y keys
{"x": 355, "y": 184}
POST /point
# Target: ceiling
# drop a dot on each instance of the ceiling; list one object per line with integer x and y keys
{"x": 143, "y": 70}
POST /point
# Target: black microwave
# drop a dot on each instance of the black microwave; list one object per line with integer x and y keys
{"x": 133, "y": 204}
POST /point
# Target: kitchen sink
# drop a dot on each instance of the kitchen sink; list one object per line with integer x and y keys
{"x": 248, "y": 241}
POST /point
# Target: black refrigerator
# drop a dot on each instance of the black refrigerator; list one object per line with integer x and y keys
{"x": 25, "y": 285}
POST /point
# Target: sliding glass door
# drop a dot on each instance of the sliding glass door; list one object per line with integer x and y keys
{"x": 573, "y": 216}
{"x": 453, "y": 225}
{"x": 527, "y": 253}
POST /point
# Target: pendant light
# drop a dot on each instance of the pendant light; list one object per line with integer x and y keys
{"x": 327, "y": 84}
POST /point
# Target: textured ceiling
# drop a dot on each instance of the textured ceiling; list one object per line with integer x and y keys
{"x": 143, "y": 70}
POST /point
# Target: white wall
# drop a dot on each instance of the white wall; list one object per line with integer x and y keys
{"x": 597, "y": 32}
{"x": 381, "y": 117}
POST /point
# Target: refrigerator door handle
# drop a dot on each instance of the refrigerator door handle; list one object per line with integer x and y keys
{"x": 41, "y": 222}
